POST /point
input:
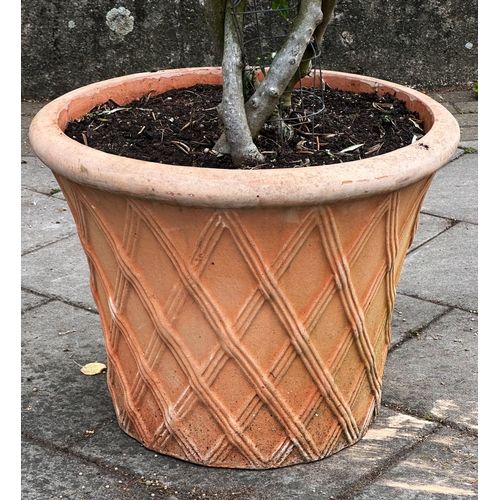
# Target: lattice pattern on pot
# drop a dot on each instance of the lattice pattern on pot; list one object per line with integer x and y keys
{"x": 300, "y": 361}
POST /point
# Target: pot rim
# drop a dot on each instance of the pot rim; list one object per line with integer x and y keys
{"x": 224, "y": 188}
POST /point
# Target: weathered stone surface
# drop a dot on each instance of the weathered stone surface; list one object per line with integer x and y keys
{"x": 435, "y": 373}
{"x": 445, "y": 466}
{"x": 67, "y": 279}
{"x": 59, "y": 403}
{"x": 52, "y": 473}
{"x": 458, "y": 180}
{"x": 390, "y": 435}
{"x": 51, "y": 223}
{"x": 69, "y": 44}
{"x": 444, "y": 270}
{"x": 31, "y": 300}
{"x": 429, "y": 227}
{"x": 36, "y": 177}
{"x": 410, "y": 315}
{"x": 28, "y": 111}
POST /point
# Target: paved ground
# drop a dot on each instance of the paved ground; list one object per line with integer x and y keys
{"x": 423, "y": 445}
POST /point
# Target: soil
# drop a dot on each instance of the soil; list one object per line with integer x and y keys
{"x": 181, "y": 127}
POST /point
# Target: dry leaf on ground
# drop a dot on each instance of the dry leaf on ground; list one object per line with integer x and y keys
{"x": 93, "y": 368}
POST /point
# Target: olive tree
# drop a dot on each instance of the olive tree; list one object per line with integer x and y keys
{"x": 244, "y": 116}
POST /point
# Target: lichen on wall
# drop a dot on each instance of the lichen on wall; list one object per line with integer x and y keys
{"x": 120, "y": 21}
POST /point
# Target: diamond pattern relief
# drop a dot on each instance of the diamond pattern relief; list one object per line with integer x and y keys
{"x": 230, "y": 285}
{"x": 241, "y": 341}
{"x": 199, "y": 338}
{"x": 312, "y": 274}
{"x": 266, "y": 337}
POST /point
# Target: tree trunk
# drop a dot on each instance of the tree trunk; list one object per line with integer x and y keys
{"x": 327, "y": 7}
{"x": 232, "y": 108}
{"x": 243, "y": 121}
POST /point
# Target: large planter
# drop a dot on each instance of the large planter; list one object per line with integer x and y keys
{"x": 246, "y": 313}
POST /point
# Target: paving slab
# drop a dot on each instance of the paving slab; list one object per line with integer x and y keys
{"x": 31, "y": 300}
{"x": 453, "y": 193}
{"x": 59, "y": 270}
{"x": 429, "y": 226}
{"x": 44, "y": 220}
{"x": 450, "y": 107}
{"x": 49, "y": 473}
{"x": 467, "y": 107}
{"x": 28, "y": 112}
{"x": 453, "y": 97}
{"x": 443, "y": 467}
{"x": 444, "y": 270}
{"x": 469, "y": 133}
{"x": 472, "y": 144}
{"x": 467, "y": 119}
{"x": 57, "y": 340}
{"x": 38, "y": 177}
{"x": 435, "y": 373}
{"x": 26, "y": 149}
{"x": 390, "y": 435}
{"x": 30, "y": 108}
{"x": 411, "y": 315}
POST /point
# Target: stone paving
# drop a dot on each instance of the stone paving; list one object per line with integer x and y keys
{"x": 423, "y": 445}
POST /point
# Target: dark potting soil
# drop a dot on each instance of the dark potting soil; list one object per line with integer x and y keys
{"x": 181, "y": 127}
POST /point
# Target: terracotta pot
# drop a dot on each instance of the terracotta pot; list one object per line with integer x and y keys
{"x": 246, "y": 313}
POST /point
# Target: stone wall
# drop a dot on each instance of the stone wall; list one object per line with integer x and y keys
{"x": 69, "y": 43}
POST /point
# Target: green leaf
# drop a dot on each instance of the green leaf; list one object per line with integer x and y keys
{"x": 281, "y": 6}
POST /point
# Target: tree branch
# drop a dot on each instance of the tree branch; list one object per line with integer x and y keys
{"x": 285, "y": 64}
{"x": 327, "y": 7}
{"x": 232, "y": 108}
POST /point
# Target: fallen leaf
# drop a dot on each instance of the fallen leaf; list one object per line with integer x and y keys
{"x": 93, "y": 368}
{"x": 352, "y": 148}
{"x": 374, "y": 149}
{"x": 109, "y": 111}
